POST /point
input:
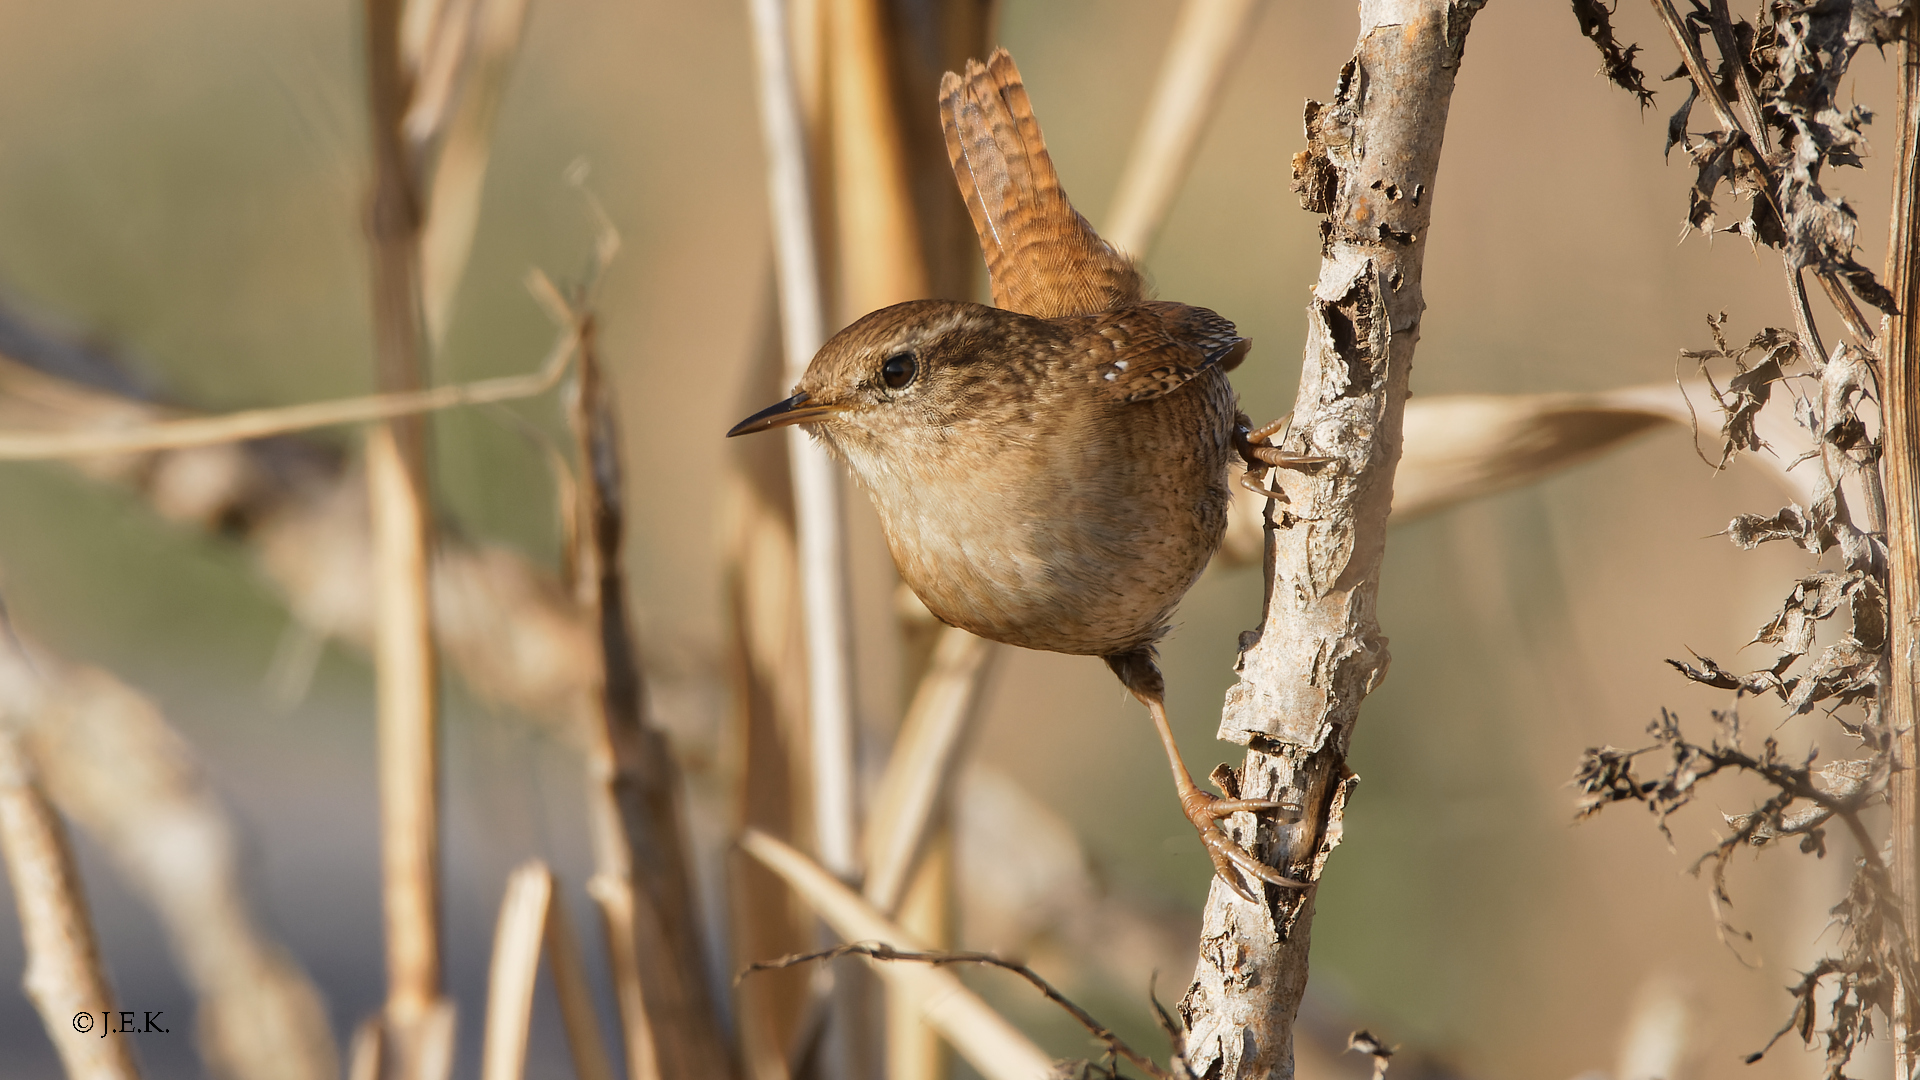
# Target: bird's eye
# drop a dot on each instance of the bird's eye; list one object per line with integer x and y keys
{"x": 898, "y": 371}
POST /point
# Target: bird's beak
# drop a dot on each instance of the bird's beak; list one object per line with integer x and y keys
{"x": 794, "y": 410}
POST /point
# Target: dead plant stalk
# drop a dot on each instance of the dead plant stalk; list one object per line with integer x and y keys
{"x": 416, "y": 1037}
{"x": 816, "y": 484}
{"x": 1900, "y": 447}
{"x": 644, "y": 880}
{"x": 64, "y": 977}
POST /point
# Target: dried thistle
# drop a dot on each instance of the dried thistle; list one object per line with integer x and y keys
{"x": 1774, "y": 90}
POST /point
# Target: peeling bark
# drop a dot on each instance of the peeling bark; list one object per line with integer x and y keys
{"x": 1372, "y": 156}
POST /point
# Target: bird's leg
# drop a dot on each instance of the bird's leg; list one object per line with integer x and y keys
{"x": 1205, "y": 812}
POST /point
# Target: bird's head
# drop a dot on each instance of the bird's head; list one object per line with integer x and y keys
{"x": 905, "y": 376}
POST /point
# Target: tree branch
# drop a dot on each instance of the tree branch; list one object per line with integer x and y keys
{"x": 1373, "y": 154}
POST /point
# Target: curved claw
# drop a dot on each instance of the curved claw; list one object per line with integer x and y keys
{"x": 1273, "y": 455}
{"x": 1228, "y": 857}
{"x": 1247, "y": 481}
{"x": 1220, "y": 808}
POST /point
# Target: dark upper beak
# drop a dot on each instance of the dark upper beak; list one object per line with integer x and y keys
{"x": 794, "y": 410}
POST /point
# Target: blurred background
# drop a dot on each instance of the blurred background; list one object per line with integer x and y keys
{"x": 182, "y": 184}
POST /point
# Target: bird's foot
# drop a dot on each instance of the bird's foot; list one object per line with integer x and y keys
{"x": 1230, "y": 860}
{"x": 1260, "y": 454}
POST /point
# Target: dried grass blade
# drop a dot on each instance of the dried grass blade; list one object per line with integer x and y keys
{"x": 516, "y": 963}
{"x": 575, "y": 997}
{"x": 65, "y": 976}
{"x": 1207, "y": 41}
{"x": 989, "y": 1043}
{"x": 614, "y": 895}
{"x": 261, "y": 423}
{"x": 459, "y": 173}
{"x": 1461, "y": 447}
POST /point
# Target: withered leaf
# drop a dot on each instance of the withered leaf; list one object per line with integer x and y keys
{"x": 1677, "y": 123}
{"x": 1846, "y": 670}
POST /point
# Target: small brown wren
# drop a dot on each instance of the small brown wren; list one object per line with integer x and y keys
{"x": 1051, "y": 472}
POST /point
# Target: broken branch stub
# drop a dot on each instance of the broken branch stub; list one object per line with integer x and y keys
{"x": 1373, "y": 154}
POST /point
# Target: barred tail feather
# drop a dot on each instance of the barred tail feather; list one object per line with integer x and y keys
{"x": 1043, "y": 257}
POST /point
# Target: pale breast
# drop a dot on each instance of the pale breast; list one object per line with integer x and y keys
{"x": 1080, "y": 537}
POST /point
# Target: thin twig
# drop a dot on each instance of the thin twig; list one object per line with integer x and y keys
{"x": 992, "y": 1045}
{"x": 939, "y": 958}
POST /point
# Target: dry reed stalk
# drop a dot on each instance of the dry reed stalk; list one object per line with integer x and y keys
{"x": 531, "y": 922}
{"x": 768, "y": 657}
{"x": 768, "y": 676}
{"x": 919, "y": 776}
{"x": 1208, "y": 41}
{"x": 408, "y": 759}
{"x": 990, "y": 1044}
{"x": 877, "y": 240}
{"x": 1371, "y": 164}
{"x": 416, "y": 1036}
{"x": 198, "y": 431}
{"x": 640, "y": 842}
{"x": 65, "y": 977}
{"x": 1900, "y": 449}
{"x": 107, "y": 758}
{"x": 820, "y": 547}
{"x": 882, "y": 253}
{"x": 816, "y": 483}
